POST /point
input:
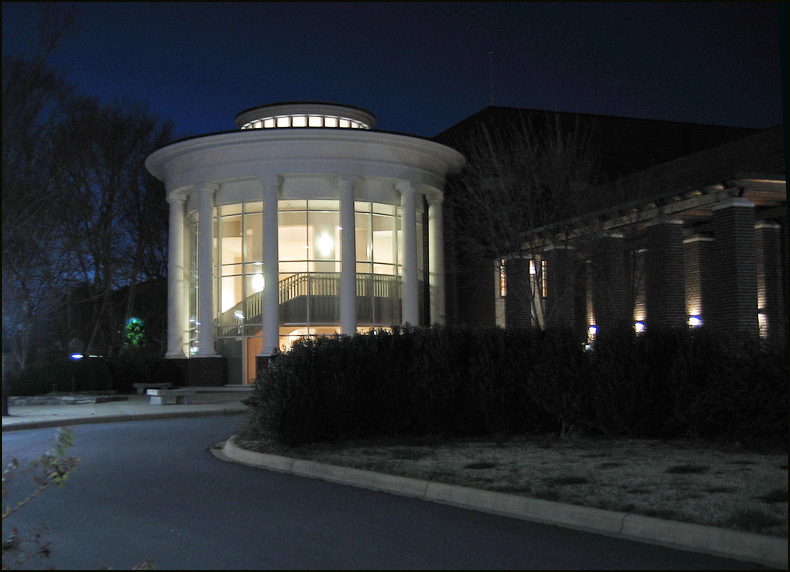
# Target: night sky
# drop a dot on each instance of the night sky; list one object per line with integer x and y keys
{"x": 423, "y": 67}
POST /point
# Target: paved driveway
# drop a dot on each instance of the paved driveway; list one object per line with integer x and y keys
{"x": 150, "y": 489}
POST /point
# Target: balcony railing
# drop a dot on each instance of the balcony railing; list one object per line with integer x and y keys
{"x": 313, "y": 297}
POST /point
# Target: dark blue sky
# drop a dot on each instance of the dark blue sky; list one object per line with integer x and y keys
{"x": 423, "y": 67}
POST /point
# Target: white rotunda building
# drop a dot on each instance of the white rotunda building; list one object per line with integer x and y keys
{"x": 303, "y": 222}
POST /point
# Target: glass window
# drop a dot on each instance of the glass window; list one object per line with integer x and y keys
{"x": 292, "y": 205}
{"x": 293, "y": 236}
{"x": 253, "y": 237}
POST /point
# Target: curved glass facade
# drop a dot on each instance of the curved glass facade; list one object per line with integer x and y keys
{"x": 310, "y": 258}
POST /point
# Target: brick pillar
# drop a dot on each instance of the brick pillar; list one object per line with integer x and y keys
{"x": 561, "y": 268}
{"x": 700, "y": 282}
{"x": 518, "y": 302}
{"x": 638, "y": 277}
{"x": 664, "y": 284}
{"x": 772, "y": 316}
{"x": 734, "y": 308}
{"x": 609, "y": 277}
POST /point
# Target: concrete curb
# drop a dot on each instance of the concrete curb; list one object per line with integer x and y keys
{"x": 765, "y": 550}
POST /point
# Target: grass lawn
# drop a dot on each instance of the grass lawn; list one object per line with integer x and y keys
{"x": 691, "y": 481}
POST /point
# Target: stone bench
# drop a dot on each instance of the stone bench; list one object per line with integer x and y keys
{"x": 141, "y": 387}
{"x": 171, "y": 396}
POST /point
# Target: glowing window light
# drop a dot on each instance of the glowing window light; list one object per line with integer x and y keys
{"x": 315, "y": 121}
{"x": 283, "y": 122}
{"x": 330, "y": 121}
{"x": 695, "y": 321}
{"x": 299, "y": 121}
{"x": 325, "y": 245}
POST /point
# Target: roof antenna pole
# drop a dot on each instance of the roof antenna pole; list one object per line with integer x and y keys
{"x": 491, "y": 75}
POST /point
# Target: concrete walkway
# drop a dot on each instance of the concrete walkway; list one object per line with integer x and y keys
{"x": 208, "y": 401}
{"x": 768, "y": 551}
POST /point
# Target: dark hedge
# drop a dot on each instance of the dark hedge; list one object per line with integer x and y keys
{"x": 458, "y": 382}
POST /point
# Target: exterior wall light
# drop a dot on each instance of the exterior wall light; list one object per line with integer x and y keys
{"x": 639, "y": 327}
{"x": 695, "y": 321}
{"x": 76, "y": 356}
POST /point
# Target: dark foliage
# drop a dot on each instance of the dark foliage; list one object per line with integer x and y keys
{"x": 92, "y": 374}
{"x": 447, "y": 381}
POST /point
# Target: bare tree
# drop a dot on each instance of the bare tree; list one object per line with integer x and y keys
{"x": 521, "y": 188}
{"x": 114, "y": 224}
{"x": 81, "y": 216}
{"x": 32, "y": 273}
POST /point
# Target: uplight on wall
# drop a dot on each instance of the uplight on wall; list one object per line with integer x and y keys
{"x": 695, "y": 321}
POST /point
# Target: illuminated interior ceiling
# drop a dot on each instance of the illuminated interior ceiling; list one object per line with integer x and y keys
{"x": 305, "y": 115}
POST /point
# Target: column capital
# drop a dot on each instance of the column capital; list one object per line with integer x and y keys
{"x": 550, "y": 247}
{"x": 207, "y": 187}
{"x": 176, "y": 199}
{"x": 435, "y": 198}
{"x": 733, "y": 202}
{"x": 663, "y": 219}
{"x": 407, "y": 187}
{"x": 353, "y": 179}
{"x": 698, "y": 238}
{"x": 766, "y": 224}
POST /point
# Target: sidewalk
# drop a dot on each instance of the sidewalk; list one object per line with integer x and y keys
{"x": 765, "y": 550}
{"x": 208, "y": 401}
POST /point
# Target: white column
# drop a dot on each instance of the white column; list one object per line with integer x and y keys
{"x": 271, "y": 275}
{"x": 410, "y": 293}
{"x": 348, "y": 257}
{"x": 176, "y": 322}
{"x": 206, "y": 271}
{"x": 436, "y": 258}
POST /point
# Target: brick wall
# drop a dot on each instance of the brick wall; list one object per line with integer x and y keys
{"x": 610, "y": 283}
{"x": 207, "y": 371}
{"x": 664, "y": 283}
{"x": 734, "y": 303}
{"x": 699, "y": 278}
{"x": 770, "y": 296}
{"x": 561, "y": 271}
